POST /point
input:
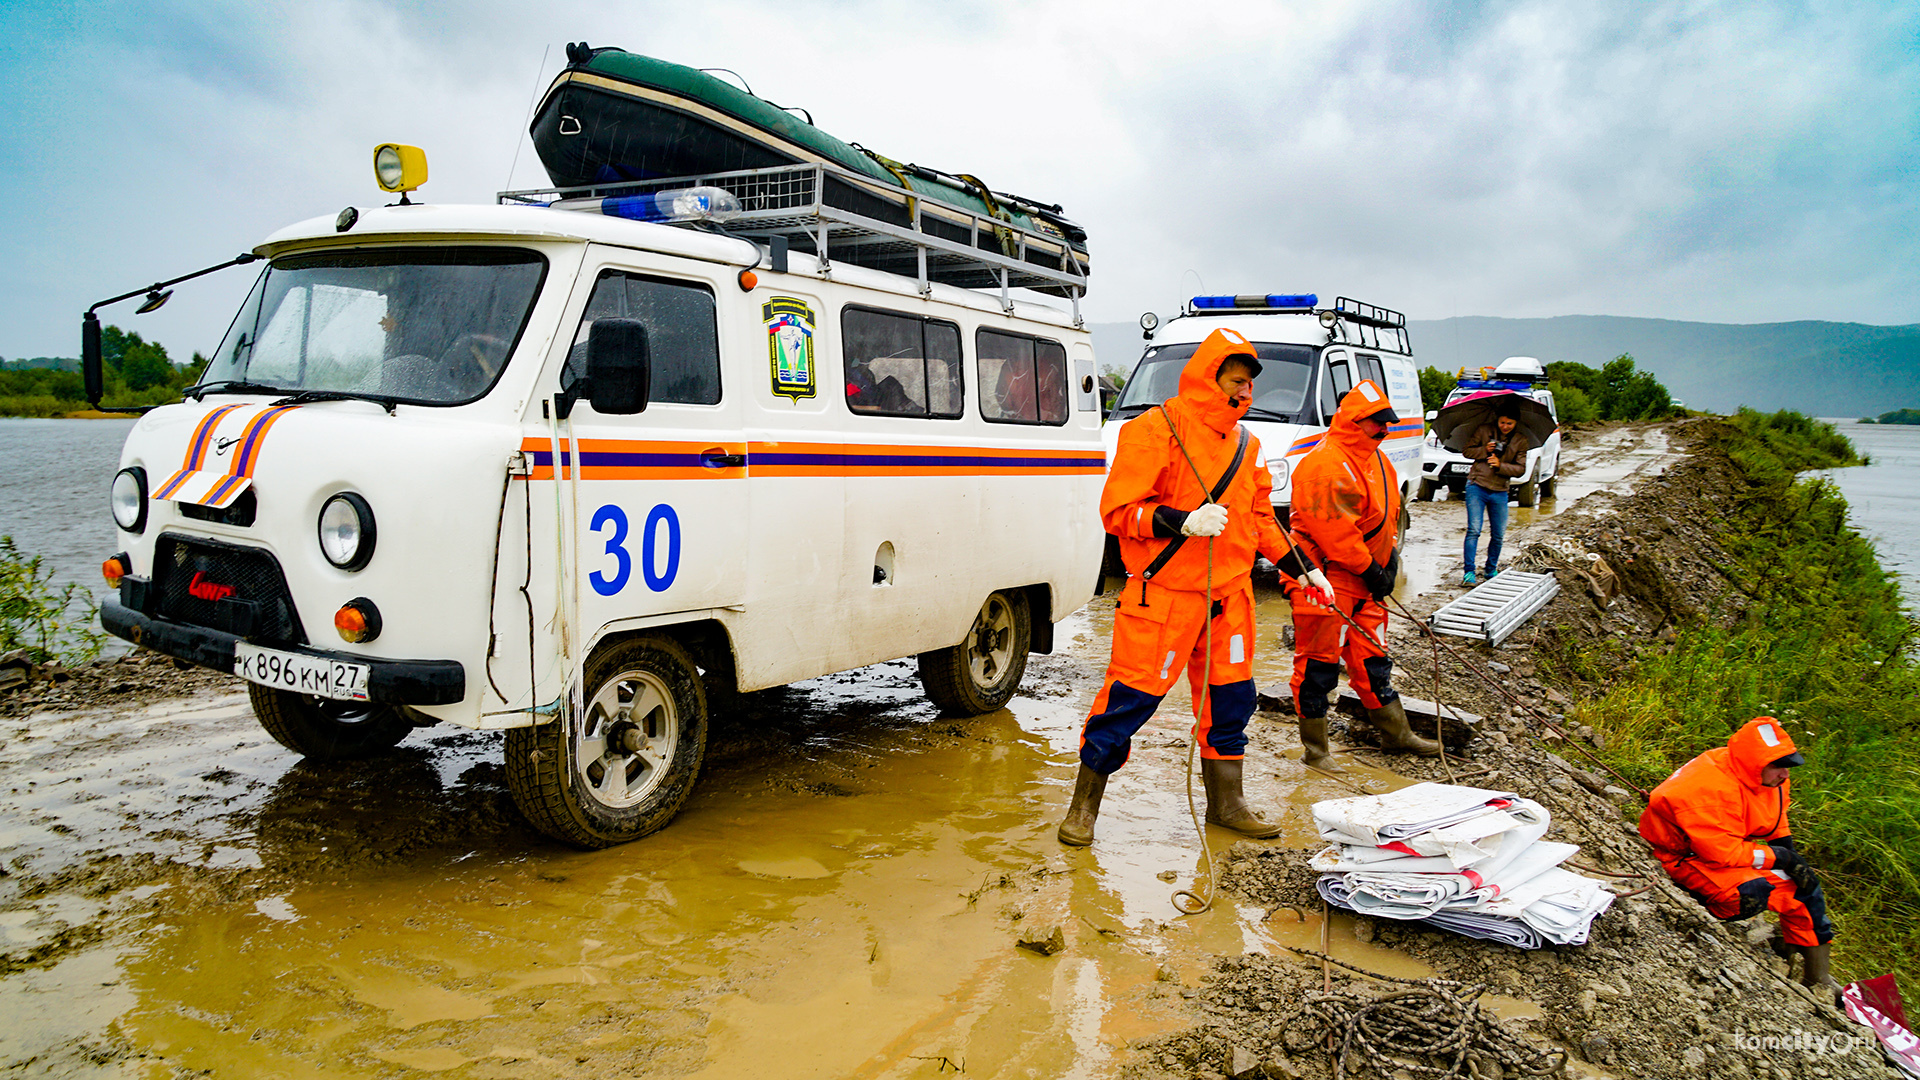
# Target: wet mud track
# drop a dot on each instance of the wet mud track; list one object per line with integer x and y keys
{"x": 840, "y": 898}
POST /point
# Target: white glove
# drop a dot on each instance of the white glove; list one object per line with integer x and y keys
{"x": 1318, "y": 589}
{"x": 1209, "y": 520}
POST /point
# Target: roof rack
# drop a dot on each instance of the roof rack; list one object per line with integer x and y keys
{"x": 1372, "y": 327}
{"x": 788, "y": 203}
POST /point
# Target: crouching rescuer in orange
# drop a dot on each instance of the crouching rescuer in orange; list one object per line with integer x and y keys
{"x": 1719, "y": 826}
{"x": 1188, "y": 496}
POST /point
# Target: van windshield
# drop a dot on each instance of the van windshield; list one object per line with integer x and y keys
{"x": 432, "y": 326}
{"x": 1280, "y": 393}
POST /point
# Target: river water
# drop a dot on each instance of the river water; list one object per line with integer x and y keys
{"x": 1884, "y": 497}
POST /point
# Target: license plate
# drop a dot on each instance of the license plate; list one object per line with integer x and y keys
{"x": 301, "y": 674}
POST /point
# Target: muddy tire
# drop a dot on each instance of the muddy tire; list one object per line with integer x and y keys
{"x": 324, "y": 729}
{"x": 980, "y": 674}
{"x": 624, "y": 768}
{"x": 1528, "y": 493}
{"x": 1426, "y": 492}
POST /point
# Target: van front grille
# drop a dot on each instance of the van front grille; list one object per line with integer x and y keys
{"x": 238, "y": 590}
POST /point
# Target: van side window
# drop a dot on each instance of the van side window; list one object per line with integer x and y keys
{"x": 901, "y": 365}
{"x": 683, "y": 335}
{"x": 1370, "y": 369}
{"x": 1023, "y": 380}
{"x": 1338, "y": 380}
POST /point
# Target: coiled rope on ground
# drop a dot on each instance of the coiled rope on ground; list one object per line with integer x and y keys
{"x": 1430, "y": 1027}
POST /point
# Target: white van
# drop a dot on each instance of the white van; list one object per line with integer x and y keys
{"x": 576, "y": 477}
{"x": 1441, "y": 467}
{"x": 1309, "y": 357}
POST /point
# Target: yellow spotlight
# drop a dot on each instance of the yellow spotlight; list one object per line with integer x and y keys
{"x": 399, "y": 168}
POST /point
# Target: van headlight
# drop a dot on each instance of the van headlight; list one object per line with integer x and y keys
{"x": 346, "y": 531}
{"x": 1279, "y": 468}
{"x": 129, "y": 499}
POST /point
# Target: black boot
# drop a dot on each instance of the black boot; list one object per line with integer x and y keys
{"x": 1227, "y": 803}
{"x": 1077, "y": 829}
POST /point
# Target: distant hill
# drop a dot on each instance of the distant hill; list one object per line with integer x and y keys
{"x": 1819, "y": 368}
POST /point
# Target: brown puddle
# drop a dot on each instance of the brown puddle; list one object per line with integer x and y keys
{"x": 840, "y": 898}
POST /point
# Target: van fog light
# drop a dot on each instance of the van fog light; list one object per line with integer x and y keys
{"x": 346, "y": 531}
{"x": 1280, "y": 468}
{"x": 358, "y": 621}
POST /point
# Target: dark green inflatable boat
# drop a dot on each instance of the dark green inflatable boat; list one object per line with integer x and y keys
{"x": 614, "y": 116}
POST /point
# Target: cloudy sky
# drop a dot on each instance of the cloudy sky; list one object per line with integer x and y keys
{"x": 1753, "y": 161}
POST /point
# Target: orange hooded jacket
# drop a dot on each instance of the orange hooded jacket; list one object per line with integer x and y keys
{"x": 1149, "y": 472}
{"x": 1713, "y": 811}
{"x": 1345, "y": 488}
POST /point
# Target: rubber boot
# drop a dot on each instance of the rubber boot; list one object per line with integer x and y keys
{"x": 1077, "y": 829}
{"x": 1396, "y": 734}
{"x": 1227, "y": 803}
{"x": 1817, "y": 973}
{"x": 1316, "y": 751}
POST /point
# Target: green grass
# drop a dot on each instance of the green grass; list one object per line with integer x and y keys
{"x": 1825, "y": 647}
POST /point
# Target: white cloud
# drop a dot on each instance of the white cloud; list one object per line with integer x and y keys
{"x": 1739, "y": 162}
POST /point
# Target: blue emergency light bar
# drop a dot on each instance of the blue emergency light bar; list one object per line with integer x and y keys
{"x": 1257, "y": 302}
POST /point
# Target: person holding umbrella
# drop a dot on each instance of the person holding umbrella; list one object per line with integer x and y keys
{"x": 1499, "y": 453}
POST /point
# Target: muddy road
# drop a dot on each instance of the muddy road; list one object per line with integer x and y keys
{"x": 840, "y": 898}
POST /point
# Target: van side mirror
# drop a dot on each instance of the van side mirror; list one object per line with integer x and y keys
{"x": 619, "y": 370}
{"x": 90, "y": 363}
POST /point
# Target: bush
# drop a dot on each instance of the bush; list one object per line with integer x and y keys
{"x": 49, "y": 623}
{"x": 1573, "y": 403}
{"x": 1434, "y": 387}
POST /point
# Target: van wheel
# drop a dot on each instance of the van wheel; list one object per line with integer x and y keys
{"x": 625, "y": 767}
{"x": 325, "y": 729}
{"x": 980, "y": 674}
{"x": 1427, "y": 488}
{"x": 1528, "y": 493}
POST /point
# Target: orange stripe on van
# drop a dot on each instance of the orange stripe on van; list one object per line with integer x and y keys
{"x": 636, "y": 459}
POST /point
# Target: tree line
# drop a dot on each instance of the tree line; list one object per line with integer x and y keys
{"x": 138, "y": 372}
{"x": 1581, "y": 393}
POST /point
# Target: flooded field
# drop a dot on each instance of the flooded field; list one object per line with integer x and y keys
{"x": 842, "y": 896}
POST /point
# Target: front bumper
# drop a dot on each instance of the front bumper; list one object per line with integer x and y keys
{"x": 395, "y": 682}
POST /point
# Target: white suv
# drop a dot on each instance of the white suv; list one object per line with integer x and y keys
{"x": 1441, "y": 467}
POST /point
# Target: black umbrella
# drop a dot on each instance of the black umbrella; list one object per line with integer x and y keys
{"x": 1456, "y": 423}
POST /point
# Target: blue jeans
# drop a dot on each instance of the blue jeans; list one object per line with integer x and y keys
{"x": 1493, "y": 506}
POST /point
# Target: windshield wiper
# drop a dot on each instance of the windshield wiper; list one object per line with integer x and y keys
{"x": 1281, "y": 416}
{"x": 307, "y": 396}
{"x": 229, "y": 386}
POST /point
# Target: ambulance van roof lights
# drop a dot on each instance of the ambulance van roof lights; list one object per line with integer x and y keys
{"x": 703, "y": 203}
{"x": 1256, "y": 302}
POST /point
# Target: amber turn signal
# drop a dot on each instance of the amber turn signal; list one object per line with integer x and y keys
{"x": 358, "y": 621}
{"x": 115, "y": 568}
{"x": 748, "y": 279}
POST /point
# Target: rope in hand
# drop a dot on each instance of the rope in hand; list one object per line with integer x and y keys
{"x": 1186, "y": 900}
{"x": 1440, "y": 1020}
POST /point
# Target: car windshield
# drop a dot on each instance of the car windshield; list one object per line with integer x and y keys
{"x": 427, "y": 325}
{"x": 1280, "y": 393}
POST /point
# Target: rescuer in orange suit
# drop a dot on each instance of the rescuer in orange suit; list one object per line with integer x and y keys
{"x": 1346, "y": 519}
{"x": 1719, "y": 826}
{"x": 1169, "y": 524}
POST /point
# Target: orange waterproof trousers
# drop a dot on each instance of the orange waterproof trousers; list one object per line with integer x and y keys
{"x": 1803, "y": 917}
{"x": 1154, "y": 635}
{"x": 1321, "y": 639}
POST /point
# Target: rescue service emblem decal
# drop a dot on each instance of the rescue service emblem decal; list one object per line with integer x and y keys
{"x": 790, "y": 346}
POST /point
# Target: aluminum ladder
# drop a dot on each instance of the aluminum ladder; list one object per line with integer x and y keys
{"x": 1495, "y": 609}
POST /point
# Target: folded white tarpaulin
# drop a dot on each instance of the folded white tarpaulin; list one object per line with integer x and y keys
{"x": 1496, "y": 928}
{"x": 1538, "y": 858}
{"x": 1530, "y": 822}
{"x": 1377, "y": 820}
{"x": 1380, "y": 891}
{"x": 1559, "y": 904}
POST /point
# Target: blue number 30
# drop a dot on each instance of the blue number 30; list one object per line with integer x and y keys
{"x": 649, "y": 540}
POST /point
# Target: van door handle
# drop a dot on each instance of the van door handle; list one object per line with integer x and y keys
{"x": 717, "y": 458}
